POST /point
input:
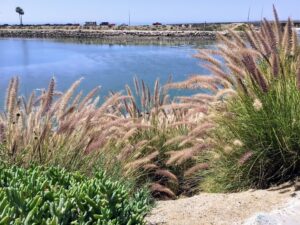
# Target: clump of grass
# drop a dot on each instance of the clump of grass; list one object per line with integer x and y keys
{"x": 55, "y": 128}
{"x": 142, "y": 136}
{"x": 257, "y": 132}
{"x": 163, "y": 155}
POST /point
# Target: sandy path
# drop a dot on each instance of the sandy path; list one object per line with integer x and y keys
{"x": 219, "y": 209}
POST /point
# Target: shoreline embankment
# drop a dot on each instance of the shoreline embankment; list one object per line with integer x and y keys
{"x": 119, "y": 35}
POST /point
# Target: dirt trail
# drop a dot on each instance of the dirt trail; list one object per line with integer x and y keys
{"x": 221, "y": 209}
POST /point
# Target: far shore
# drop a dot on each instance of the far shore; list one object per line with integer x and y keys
{"x": 109, "y": 34}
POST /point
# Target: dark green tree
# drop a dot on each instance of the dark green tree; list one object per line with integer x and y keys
{"x": 20, "y": 11}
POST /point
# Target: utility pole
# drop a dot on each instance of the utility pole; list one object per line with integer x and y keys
{"x": 129, "y": 18}
{"x": 262, "y": 13}
{"x": 249, "y": 14}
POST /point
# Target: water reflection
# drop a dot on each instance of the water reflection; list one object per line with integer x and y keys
{"x": 105, "y": 63}
{"x": 157, "y": 42}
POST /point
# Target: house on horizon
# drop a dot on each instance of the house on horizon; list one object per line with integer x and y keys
{"x": 90, "y": 24}
{"x": 104, "y": 24}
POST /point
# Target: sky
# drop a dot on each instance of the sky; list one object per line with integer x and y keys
{"x": 145, "y": 11}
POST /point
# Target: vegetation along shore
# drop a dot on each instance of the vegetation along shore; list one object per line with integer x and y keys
{"x": 109, "y": 34}
{"x": 121, "y": 32}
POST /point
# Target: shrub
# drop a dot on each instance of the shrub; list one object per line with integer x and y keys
{"x": 53, "y": 196}
{"x": 257, "y": 133}
{"x": 240, "y": 27}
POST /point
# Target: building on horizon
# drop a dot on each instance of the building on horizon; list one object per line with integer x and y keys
{"x": 90, "y": 24}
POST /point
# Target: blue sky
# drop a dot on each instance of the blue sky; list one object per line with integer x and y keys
{"x": 144, "y": 11}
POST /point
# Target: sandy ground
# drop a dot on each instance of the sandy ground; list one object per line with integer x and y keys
{"x": 224, "y": 209}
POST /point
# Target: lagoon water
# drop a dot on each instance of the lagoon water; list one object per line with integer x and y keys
{"x": 111, "y": 66}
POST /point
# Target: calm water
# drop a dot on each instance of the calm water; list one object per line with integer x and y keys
{"x": 35, "y": 61}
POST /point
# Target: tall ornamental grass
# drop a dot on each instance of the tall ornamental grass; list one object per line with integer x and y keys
{"x": 257, "y": 139}
{"x": 253, "y": 99}
{"x": 163, "y": 154}
{"x": 141, "y": 135}
{"x": 241, "y": 130}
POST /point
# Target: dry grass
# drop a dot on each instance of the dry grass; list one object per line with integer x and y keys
{"x": 163, "y": 153}
{"x": 58, "y": 128}
{"x": 143, "y": 132}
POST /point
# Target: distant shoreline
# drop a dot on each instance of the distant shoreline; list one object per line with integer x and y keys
{"x": 118, "y": 35}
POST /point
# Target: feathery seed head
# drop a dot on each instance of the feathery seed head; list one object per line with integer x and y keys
{"x": 257, "y": 104}
{"x": 238, "y": 143}
{"x": 228, "y": 149}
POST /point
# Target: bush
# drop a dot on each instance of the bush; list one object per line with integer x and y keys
{"x": 240, "y": 27}
{"x": 268, "y": 128}
{"x": 53, "y": 196}
{"x": 258, "y": 130}
{"x": 254, "y": 108}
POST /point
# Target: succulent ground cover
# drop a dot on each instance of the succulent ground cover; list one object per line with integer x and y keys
{"x": 54, "y": 196}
